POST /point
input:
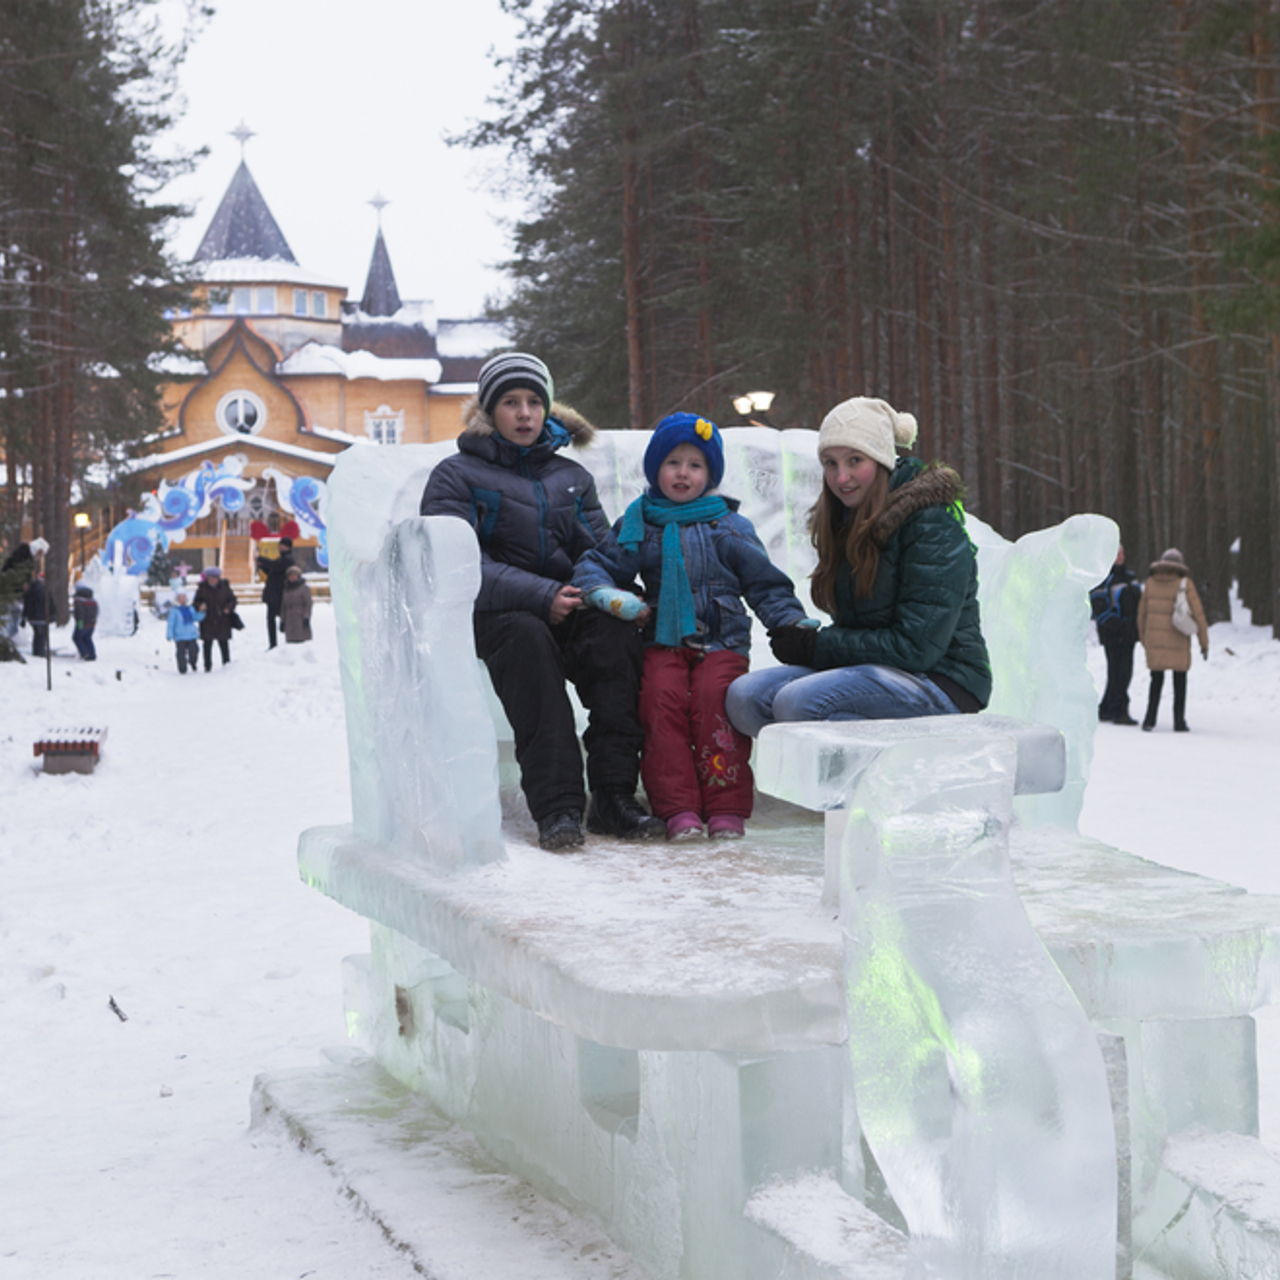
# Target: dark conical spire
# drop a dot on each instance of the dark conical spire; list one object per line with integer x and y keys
{"x": 381, "y": 297}
{"x": 243, "y": 226}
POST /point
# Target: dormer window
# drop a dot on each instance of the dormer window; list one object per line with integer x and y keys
{"x": 384, "y": 425}
{"x": 241, "y": 413}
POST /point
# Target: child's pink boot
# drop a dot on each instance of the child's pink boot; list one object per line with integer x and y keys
{"x": 726, "y": 826}
{"x": 684, "y": 826}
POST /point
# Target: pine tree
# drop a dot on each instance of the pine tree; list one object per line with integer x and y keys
{"x": 85, "y": 88}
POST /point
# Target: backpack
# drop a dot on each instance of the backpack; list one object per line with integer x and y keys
{"x": 1104, "y": 603}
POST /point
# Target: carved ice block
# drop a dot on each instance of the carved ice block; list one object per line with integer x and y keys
{"x": 981, "y": 1087}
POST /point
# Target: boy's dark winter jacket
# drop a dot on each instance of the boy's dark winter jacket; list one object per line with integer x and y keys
{"x": 534, "y": 512}
{"x": 922, "y": 614}
{"x": 725, "y": 562}
{"x": 85, "y": 609}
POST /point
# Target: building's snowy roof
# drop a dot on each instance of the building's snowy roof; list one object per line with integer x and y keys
{"x": 212, "y": 446}
{"x": 381, "y": 297}
{"x": 454, "y": 389}
{"x": 258, "y": 271}
{"x": 243, "y": 226}
{"x": 339, "y": 437}
{"x": 421, "y": 313}
{"x": 321, "y": 358}
{"x": 177, "y": 365}
{"x": 475, "y": 339}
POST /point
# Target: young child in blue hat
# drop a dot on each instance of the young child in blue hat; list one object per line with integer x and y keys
{"x": 698, "y": 560}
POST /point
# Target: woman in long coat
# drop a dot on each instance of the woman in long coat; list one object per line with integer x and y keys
{"x": 1167, "y": 648}
{"x": 295, "y": 607}
{"x": 215, "y": 596}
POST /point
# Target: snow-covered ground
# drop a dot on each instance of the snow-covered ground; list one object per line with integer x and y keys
{"x": 166, "y": 882}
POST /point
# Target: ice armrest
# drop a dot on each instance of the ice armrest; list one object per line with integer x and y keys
{"x": 815, "y": 763}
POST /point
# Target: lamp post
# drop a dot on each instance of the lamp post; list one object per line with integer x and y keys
{"x": 754, "y": 408}
{"x": 82, "y": 523}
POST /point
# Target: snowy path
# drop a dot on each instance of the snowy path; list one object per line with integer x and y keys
{"x": 168, "y": 881}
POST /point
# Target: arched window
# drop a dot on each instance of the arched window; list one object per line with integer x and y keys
{"x": 241, "y": 413}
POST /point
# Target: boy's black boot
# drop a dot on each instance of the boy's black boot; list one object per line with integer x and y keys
{"x": 561, "y": 831}
{"x": 619, "y": 813}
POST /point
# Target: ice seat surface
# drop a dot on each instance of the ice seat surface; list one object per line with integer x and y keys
{"x": 697, "y": 947}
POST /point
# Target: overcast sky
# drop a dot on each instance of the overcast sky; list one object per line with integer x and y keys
{"x": 349, "y": 99}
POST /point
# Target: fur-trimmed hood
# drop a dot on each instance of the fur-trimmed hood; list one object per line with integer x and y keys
{"x": 936, "y": 486}
{"x": 475, "y": 422}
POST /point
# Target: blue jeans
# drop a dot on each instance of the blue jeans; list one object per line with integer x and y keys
{"x": 866, "y": 692}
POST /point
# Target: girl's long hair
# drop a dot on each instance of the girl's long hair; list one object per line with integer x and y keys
{"x": 839, "y": 542}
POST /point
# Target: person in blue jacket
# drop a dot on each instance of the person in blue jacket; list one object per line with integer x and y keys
{"x": 183, "y": 628}
{"x": 898, "y": 575}
{"x": 535, "y": 513}
{"x": 698, "y": 559}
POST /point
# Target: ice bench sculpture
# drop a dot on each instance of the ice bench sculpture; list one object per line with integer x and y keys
{"x": 677, "y": 1041}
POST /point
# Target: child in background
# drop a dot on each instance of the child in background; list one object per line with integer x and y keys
{"x": 85, "y": 612}
{"x": 698, "y": 558}
{"x": 184, "y": 630}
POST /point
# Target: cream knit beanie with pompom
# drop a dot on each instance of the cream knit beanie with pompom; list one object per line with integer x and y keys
{"x": 871, "y": 426}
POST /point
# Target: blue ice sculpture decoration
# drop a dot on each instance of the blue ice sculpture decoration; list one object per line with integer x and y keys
{"x": 305, "y": 499}
{"x": 172, "y": 509}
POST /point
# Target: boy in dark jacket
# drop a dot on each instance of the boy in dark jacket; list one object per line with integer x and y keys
{"x": 85, "y": 612}
{"x": 535, "y": 513}
{"x": 698, "y": 559}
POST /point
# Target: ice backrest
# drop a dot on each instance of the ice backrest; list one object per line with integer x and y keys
{"x": 1033, "y": 595}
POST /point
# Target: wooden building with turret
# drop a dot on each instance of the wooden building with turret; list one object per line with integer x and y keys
{"x": 283, "y": 372}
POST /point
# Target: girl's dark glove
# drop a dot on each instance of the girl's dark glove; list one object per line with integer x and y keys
{"x": 794, "y": 645}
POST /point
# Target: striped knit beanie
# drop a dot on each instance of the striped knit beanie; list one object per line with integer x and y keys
{"x": 512, "y": 372}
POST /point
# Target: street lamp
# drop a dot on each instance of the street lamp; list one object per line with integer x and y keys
{"x": 82, "y": 523}
{"x": 754, "y": 407}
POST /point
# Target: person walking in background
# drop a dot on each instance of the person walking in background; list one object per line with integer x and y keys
{"x": 698, "y": 559}
{"x": 34, "y": 614}
{"x": 1114, "y": 602}
{"x": 295, "y": 607}
{"x": 15, "y": 574}
{"x": 183, "y": 628}
{"x": 277, "y": 570}
{"x": 85, "y": 612}
{"x": 216, "y": 598}
{"x": 1168, "y": 648}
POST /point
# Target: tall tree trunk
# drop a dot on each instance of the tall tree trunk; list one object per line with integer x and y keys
{"x": 632, "y": 259}
{"x": 1204, "y": 399}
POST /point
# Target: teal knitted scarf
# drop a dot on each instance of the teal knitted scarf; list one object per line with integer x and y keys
{"x": 677, "y": 617}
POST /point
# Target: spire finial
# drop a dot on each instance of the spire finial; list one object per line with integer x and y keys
{"x": 379, "y": 202}
{"x": 242, "y": 133}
